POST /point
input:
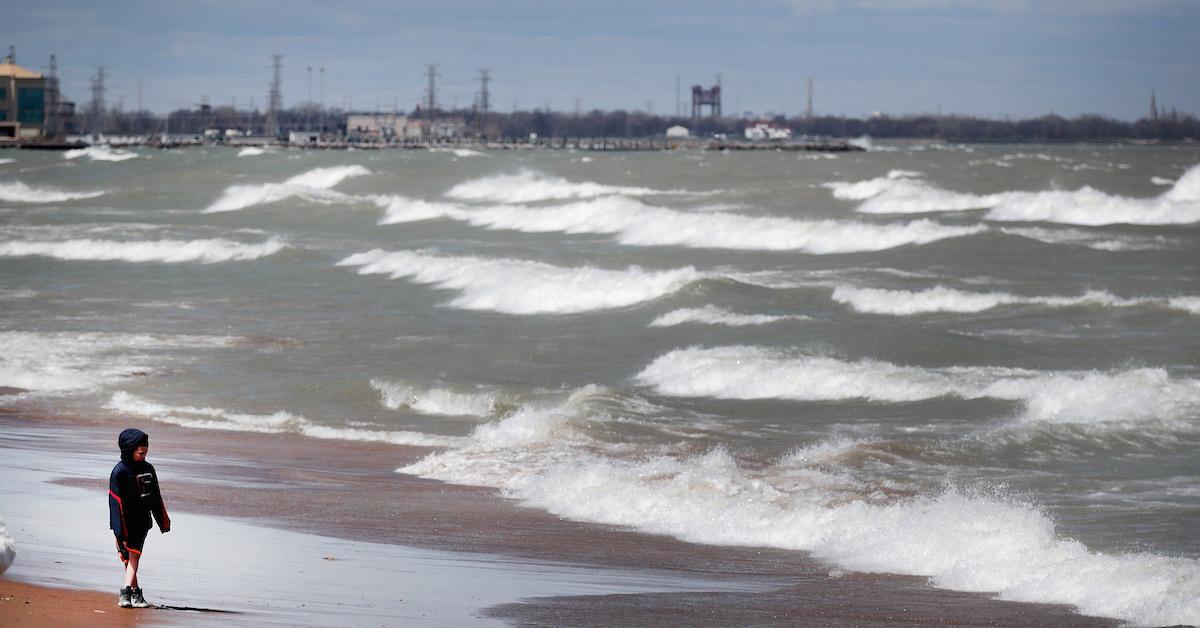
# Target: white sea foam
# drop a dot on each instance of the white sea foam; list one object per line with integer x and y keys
{"x": 713, "y": 315}
{"x": 943, "y": 299}
{"x": 313, "y": 186}
{"x": 208, "y": 251}
{"x": 100, "y": 153}
{"x": 1083, "y": 397}
{"x": 543, "y": 456}
{"x": 251, "y": 151}
{"x": 438, "y": 401}
{"x": 635, "y": 223}
{"x": 69, "y": 362}
{"x": 900, "y": 193}
{"x": 1162, "y": 181}
{"x": 1091, "y": 239}
{"x": 7, "y": 161}
{"x": 17, "y": 192}
{"x": 1085, "y": 206}
{"x": 400, "y": 209}
{"x": 528, "y": 186}
{"x": 517, "y": 286}
{"x": 8, "y": 548}
{"x": 276, "y": 423}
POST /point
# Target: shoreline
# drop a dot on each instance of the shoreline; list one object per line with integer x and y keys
{"x": 348, "y": 492}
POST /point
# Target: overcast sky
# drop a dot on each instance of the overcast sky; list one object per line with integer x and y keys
{"x": 993, "y": 58}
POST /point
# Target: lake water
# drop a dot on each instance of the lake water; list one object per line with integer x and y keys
{"x": 974, "y": 363}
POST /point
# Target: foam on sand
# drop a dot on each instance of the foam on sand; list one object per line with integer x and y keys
{"x": 544, "y": 456}
{"x": 207, "y": 251}
{"x": 1084, "y": 397}
{"x": 313, "y": 185}
{"x": 713, "y": 315}
{"x": 100, "y": 153}
{"x": 17, "y": 192}
{"x": 943, "y": 299}
{"x": 277, "y": 423}
{"x": 8, "y": 548}
{"x": 515, "y": 286}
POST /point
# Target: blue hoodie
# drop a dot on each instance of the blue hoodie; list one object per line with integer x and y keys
{"x": 133, "y": 494}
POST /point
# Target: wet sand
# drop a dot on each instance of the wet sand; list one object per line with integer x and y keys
{"x": 348, "y": 490}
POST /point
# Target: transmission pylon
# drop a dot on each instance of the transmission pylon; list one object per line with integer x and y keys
{"x": 274, "y": 97}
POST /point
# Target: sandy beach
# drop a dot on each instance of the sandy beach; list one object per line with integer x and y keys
{"x": 284, "y": 530}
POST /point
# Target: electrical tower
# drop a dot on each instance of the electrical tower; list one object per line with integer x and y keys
{"x": 430, "y": 92}
{"x": 274, "y": 97}
{"x": 97, "y": 108}
{"x": 53, "y": 128}
{"x": 484, "y": 99}
{"x": 808, "y": 111}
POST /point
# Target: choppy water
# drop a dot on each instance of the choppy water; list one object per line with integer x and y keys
{"x": 979, "y": 364}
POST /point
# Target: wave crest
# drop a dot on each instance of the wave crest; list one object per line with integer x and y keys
{"x": 312, "y": 186}
{"x": 167, "y": 251}
{"x": 516, "y": 286}
{"x": 17, "y": 192}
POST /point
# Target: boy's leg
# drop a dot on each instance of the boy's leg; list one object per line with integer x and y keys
{"x": 131, "y": 567}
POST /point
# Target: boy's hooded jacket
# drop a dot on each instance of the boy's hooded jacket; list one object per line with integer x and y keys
{"x": 133, "y": 495}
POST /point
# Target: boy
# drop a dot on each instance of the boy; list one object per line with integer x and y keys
{"x": 133, "y": 496}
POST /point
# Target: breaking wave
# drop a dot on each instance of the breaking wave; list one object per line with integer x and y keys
{"x": 1091, "y": 239}
{"x": 278, "y": 423}
{"x": 638, "y": 224}
{"x": 251, "y": 151}
{"x": 527, "y": 187}
{"x": 515, "y": 286}
{"x": 547, "y": 457}
{"x": 54, "y": 363}
{"x": 899, "y": 193}
{"x": 713, "y": 315}
{"x": 100, "y": 153}
{"x": 1084, "y": 397}
{"x": 17, "y": 192}
{"x": 168, "y": 251}
{"x": 942, "y": 299}
{"x": 313, "y": 186}
{"x": 439, "y": 401}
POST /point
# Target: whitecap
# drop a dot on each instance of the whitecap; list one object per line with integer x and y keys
{"x": 528, "y": 186}
{"x": 312, "y": 185}
{"x": 17, "y": 192}
{"x": 207, "y": 251}
{"x": 943, "y": 299}
{"x": 280, "y": 422}
{"x": 100, "y": 153}
{"x": 713, "y": 315}
{"x": 514, "y": 286}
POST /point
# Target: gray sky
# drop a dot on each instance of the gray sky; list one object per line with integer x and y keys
{"x": 993, "y": 58}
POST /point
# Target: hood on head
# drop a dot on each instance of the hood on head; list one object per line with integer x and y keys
{"x": 130, "y": 439}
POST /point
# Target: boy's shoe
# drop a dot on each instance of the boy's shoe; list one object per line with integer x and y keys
{"x": 138, "y": 601}
{"x": 126, "y": 598}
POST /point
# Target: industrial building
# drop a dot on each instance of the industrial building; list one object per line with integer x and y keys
{"x": 22, "y": 102}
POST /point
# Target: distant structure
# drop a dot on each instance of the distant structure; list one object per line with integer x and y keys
{"x": 808, "y": 109}
{"x": 484, "y": 100}
{"x": 677, "y": 132}
{"x": 702, "y": 98}
{"x": 274, "y": 97}
{"x": 97, "y": 109}
{"x": 22, "y": 101}
{"x": 1153, "y": 106}
{"x": 430, "y": 96}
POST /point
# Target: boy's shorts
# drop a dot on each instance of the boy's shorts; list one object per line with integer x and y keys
{"x": 137, "y": 539}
